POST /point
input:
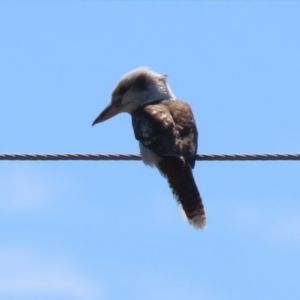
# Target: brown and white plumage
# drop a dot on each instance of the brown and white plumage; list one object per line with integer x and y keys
{"x": 166, "y": 131}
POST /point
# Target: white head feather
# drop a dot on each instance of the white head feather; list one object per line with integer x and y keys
{"x": 139, "y": 87}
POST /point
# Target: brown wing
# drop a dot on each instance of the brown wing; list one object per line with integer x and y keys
{"x": 167, "y": 128}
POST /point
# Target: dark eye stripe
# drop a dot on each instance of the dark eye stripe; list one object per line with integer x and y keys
{"x": 123, "y": 89}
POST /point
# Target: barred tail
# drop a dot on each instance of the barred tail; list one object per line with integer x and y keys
{"x": 184, "y": 188}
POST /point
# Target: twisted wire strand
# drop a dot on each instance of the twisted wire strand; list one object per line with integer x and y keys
{"x": 202, "y": 157}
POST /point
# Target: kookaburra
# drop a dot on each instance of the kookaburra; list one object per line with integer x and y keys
{"x": 166, "y": 130}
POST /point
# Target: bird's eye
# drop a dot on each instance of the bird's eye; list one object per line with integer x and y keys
{"x": 123, "y": 89}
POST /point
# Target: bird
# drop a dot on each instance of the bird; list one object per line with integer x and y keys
{"x": 166, "y": 131}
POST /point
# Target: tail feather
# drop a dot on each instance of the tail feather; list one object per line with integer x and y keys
{"x": 184, "y": 188}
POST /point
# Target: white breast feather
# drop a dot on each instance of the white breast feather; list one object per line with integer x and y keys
{"x": 149, "y": 157}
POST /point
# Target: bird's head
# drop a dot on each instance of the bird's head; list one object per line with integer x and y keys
{"x": 136, "y": 88}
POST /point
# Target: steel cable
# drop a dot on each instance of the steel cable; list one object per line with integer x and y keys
{"x": 201, "y": 157}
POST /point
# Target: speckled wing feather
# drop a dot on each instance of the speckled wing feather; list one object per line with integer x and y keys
{"x": 167, "y": 128}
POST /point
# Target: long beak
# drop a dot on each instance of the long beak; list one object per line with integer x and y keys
{"x": 109, "y": 111}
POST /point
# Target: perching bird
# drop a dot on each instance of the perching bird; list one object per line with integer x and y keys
{"x": 166, "y": 131}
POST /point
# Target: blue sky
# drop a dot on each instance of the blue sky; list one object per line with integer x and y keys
{"x": 112, "y": 230}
